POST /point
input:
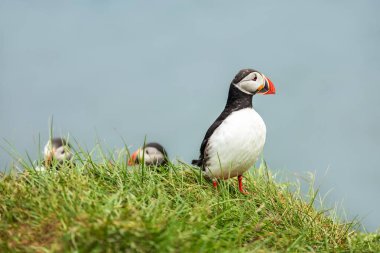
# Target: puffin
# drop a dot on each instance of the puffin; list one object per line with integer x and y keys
{"x": 56, "y": 152}
{"x": 153, "y": 154}
{"x": 234, "y": 142}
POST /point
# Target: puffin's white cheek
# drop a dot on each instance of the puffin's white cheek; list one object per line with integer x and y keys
{"x": 154, "y": 159}
{"x": 62, "y": 154}
{"x": 250, "y": 86}
{"x": 159, "y": 158}
{"x": 58, "y": 155}
{"x": 148, "y": 159}
{"x": 144, "y": 156}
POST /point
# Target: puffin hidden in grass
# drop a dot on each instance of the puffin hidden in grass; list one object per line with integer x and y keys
{"x": 153, "y": 154}
{"x": 235, "y": 140}
{"x": 57, "y": 151}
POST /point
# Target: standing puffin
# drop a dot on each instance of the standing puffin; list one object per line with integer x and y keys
{"x": 152, "y": 153}
{"x": 57, "y": 151}
{"x": 235, "y": 140}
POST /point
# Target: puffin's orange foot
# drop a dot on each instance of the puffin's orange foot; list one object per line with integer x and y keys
{"x": 240, "y": 179}
{"x": 215, "y": 184}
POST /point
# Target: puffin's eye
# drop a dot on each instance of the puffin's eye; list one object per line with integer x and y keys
{"x": 255, "y": 78}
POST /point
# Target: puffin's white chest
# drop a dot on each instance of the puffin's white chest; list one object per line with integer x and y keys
{"x": 236, "y": 144}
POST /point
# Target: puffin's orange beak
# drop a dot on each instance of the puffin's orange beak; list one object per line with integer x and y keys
{"x": 49, "y": 159}
{"x": 132, "y": 159}
{"x": 269, "y": 86}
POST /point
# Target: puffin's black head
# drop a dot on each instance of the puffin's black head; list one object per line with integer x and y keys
{"x": 251, "y": 81}
{"x": 153, "y": 154}
{"x": 57, "y": 148}
{"x": 59, "y": 142}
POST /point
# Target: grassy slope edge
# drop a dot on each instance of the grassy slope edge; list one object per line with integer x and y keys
{"x": 104, "y": 207}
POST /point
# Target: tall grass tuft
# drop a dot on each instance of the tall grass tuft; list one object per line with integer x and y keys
{"x": 103, "y": 205}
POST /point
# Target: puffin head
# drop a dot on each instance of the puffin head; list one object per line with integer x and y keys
{"x": 152, "y": 153}
{"x": 58, "y": 149}
{"x": 251, "y": 81}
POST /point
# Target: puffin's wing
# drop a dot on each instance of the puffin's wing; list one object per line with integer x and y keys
{"x": 203, "y": 151}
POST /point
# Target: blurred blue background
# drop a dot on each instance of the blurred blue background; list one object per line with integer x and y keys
{"x": 133, "y": 68}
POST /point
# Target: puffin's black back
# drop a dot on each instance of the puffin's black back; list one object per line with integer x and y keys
{"x": 236, "y": 100}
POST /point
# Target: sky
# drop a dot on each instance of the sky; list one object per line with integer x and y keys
{"x": 113, "y": 70}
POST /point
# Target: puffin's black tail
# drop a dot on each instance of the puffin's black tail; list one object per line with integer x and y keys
{"x": 196, "y": 162}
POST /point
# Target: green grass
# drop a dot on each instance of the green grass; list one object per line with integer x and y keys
{"x": 104, "y": 207}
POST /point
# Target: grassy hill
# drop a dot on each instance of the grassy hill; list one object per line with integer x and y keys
{"x": 104, "y": 207}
